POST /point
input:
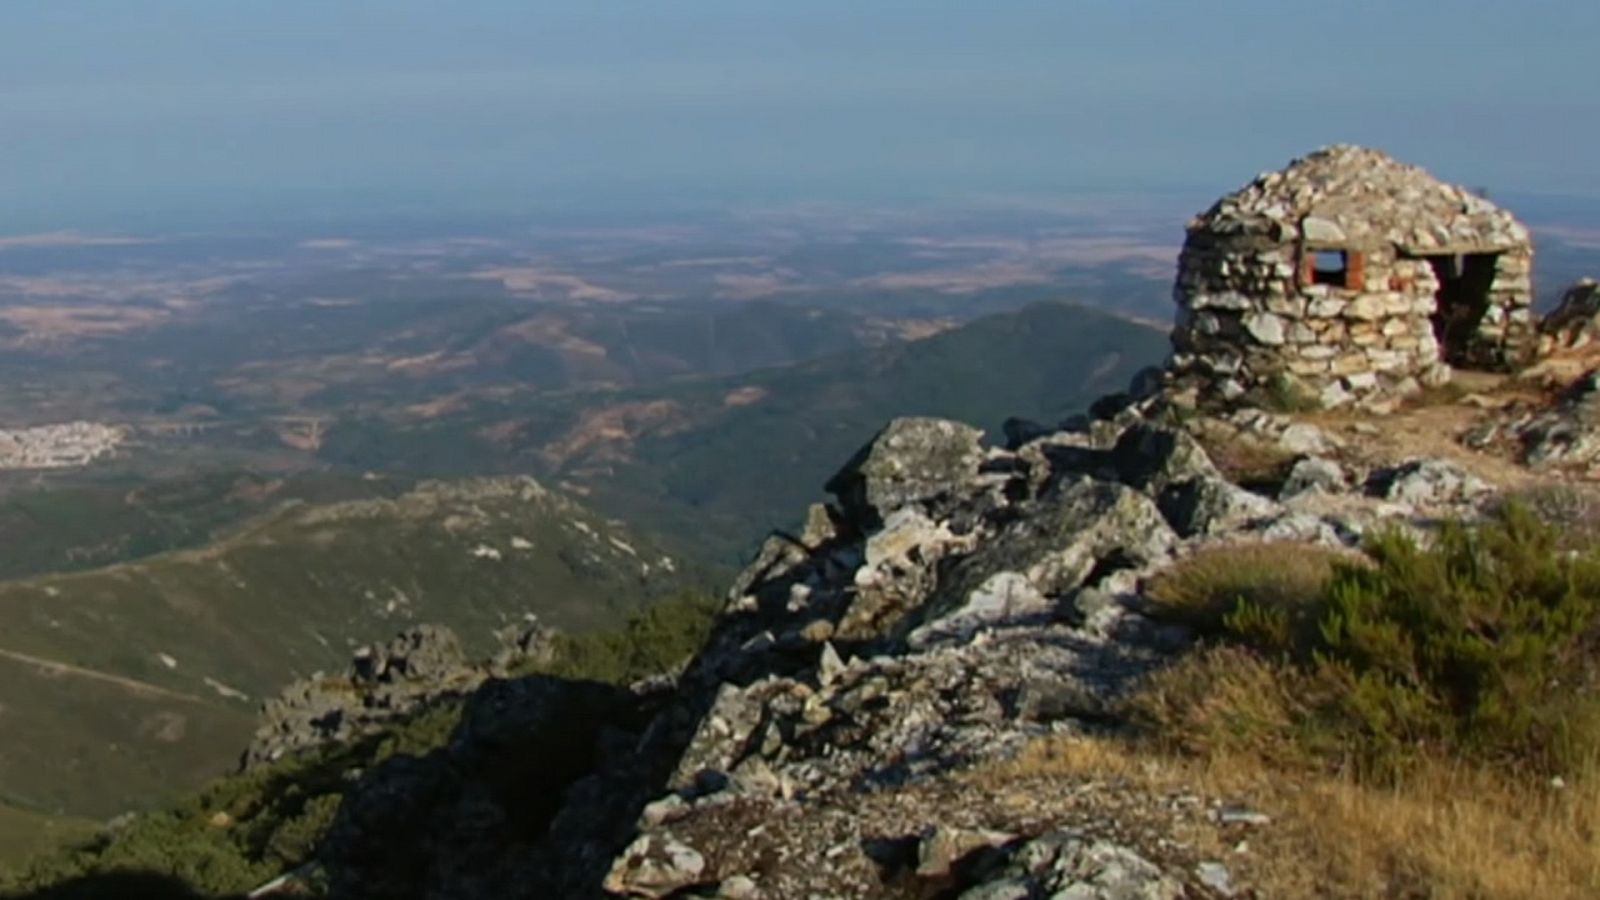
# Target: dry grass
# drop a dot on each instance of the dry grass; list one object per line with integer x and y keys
{"x": 1447, "y": 394}
{"x": 1271, "y": 730}
{"x": 1226, "y": 700}
{"x": 1249, "y": 462}
{"x": 1201, "y": 589}
{"x": 1572, "y": 508}
{"x": 1446, "y": 831}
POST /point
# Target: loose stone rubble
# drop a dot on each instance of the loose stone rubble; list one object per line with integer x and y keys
{"x": 1422, "y": 274}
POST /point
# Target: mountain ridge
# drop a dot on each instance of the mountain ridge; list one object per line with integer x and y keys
{"x": 201, "y": 634}
{"x": 689, "y": 467}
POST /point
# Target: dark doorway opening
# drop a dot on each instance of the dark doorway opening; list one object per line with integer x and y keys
{"x": 1464, "y": 284}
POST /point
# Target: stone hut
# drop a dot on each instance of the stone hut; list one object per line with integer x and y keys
{"x": 1349, "y": 276}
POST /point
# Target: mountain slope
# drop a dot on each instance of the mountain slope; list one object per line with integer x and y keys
{"x": 714, "y": 463}
{"x": 761, "y": 443}
{"x": 131, "y": 681}
{"x": 23, "y": 833}
{"x": 102, "y": 519}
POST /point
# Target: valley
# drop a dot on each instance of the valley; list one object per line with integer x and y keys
{"x": 228, "y": 464}
{"x": 281, "y": 460}
{"x": 220, "y": 587}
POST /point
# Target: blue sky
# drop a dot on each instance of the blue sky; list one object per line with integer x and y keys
{"x": 113, "y": 106}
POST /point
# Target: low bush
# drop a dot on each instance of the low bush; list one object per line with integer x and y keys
{"x": 653, "y": 640}
{"x": 1404, "y": 716}
{"x": 1480, "y": 646}
{"x": 1226, "y": 701}
{"x": 228, "y": 838}
{"x": 1285, "y": 393}
{"x": 1572, "y": 509}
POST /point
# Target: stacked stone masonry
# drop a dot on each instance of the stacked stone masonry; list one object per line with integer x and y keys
{"x": 1349, "y": 277}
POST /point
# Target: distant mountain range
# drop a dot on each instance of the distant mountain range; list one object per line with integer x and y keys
{"x": 716, "y": 462}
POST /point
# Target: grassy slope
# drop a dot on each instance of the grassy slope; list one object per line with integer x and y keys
{"x": 275, "y": 813}
{"x": 116, "y": 518}
{"x": 75, "y": 743}
{"x": 23, "y": 833}
{"x": 288, "y": 596}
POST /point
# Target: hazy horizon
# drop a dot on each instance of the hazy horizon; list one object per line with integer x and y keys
{"x": 118, "y": 114}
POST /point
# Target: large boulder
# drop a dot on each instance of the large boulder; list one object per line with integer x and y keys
{"x": 1019, "y": 574}
{"x": 1569, "y": 433}
{"x": 384, "y": 684}
{"x": 1153, "y": 457}
{"x": 1314, "y": 473}
{"x": 913, "y": 460}
{"x": 1142, "y": 455}
{"x": 1576, "y": 322}
{"x": 1063, "y": 864}
{"x": 655, "y": 867}
{"x": 1432, "y": 486}
{"x": 1208, "y": 506}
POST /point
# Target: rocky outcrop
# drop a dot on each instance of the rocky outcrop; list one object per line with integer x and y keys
{"x": 465, "y": 820}
{"x": 1568, "y": 433}
{"x": 957, "y": 603}
{"x": 384, "y": 684}
{"x": 1011, "y": 618}
{"x": 1575, "y": 323}
{"x": 913, "y": 460}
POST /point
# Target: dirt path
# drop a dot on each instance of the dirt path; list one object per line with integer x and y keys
{"x": 138, "y": 687}
{"x": 1433, "y": 430}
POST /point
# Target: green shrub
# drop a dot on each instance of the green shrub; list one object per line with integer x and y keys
{"x": 1480, "y": 645}
{"x": 1285, "y": 393}
{"x": 230, "y": 837}
{"x": 653, "y": 640}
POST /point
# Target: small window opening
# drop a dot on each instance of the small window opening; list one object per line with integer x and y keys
{"x": 1330, "y": 267}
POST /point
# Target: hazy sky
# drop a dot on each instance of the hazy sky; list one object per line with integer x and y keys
{"x": 111, "y": 106}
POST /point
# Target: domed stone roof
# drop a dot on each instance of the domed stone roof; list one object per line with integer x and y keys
{"x": 1349, "y": 196}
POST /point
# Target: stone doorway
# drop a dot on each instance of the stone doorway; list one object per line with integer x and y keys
{"x": 1465, "y": 280}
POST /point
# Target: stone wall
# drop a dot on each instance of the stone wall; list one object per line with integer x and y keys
{"x": 1508, "y": 334}
{"x": 1249, "y": 320}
